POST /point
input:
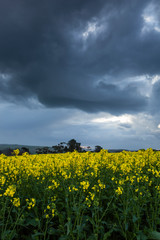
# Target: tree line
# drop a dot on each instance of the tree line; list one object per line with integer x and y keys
{"x": 70, "y": 146}
{"x": 62, "y": 147}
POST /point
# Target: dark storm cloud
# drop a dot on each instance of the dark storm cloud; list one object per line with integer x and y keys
{"x": 46, "y": 52}
{"x": 155, "y": 103}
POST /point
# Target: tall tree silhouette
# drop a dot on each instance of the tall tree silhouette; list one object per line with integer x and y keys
{"x": 73, "y": 145}
{"x": 98, "y": 148}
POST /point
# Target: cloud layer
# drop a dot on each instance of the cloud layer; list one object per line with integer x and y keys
{"x": 80, "y": 69}
{"x": 80, "y": 54}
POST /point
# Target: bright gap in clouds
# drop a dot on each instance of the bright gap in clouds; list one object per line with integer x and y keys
{"x": 151, "y": 21}
{"x": 155, "y": 79}
{"x": 93, "y": 28}
{"x": 114, "y": 119}
{"x": 90, "y": 29}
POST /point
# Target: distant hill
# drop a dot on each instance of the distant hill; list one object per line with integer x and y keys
{"x": 119, "y": 150}
{"x": 32, "y": 149}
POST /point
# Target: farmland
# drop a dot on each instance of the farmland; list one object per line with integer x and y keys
{"x": 92, "y": 196}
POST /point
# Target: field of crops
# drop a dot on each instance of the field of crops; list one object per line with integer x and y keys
{"x": 90, "y": 196}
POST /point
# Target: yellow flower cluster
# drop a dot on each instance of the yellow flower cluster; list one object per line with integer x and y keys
{"x": 30, "y": 203}
{"x": 2, "y": 180}
{"x": 16, "y": 152}
{"x": 85, "y": 185}
{"x": 72, "y": 188}
{"x": 10, "y": 191}
{"x": 119, "y": 190}
{"x": 16, "y": 202}
{"x": 54, "y": 185}
{"x": 84, "y": 177}
{"x": 50, "y": 210}
{"x": 101, "y": 185}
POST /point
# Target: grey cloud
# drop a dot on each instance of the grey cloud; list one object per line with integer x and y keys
{"x": 43, "y": 51}
{"x": 155, "y": 99}
{"x": 125, "y": 125}
{"x": 50, "y": 126}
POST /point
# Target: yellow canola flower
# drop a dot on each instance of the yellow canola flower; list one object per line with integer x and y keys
{"x": 31, "y": 203}
{"x": 53, "y": 212}
{"x": 16, "y": 202}
{"x": 119, "y": 190}
{"x": 101, "y": 185}
{"x": 16, "y": 152}
{"x": 2, "y": 180}
{"x": 92, "y": 196}
{"x": 72, "y": 188}
{"x": 88, "y": 202}
{"x": 10, "y": 191}
{"x": 56, "y": 184}
{"x": 80, "y": 173}
{"x": 85, "y": 185}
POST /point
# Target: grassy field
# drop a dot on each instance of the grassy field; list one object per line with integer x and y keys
{"x": 90, "y": 196}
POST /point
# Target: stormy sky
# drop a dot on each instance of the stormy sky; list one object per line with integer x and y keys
{"x": 82, "y": 69}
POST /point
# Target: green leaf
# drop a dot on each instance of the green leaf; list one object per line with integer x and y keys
{"x": 37, "y": 234}
{"x": 134, "y": 219}
{"x": 69, "y": 226}
{"x": 154, "y": 235}
{"x": 9, "y": 234}
{"x": 141, "y": 236}
{"x": 126, "y": 226}
{"x": 51, "y": 231}
{"x": 91, "y": 220}
{"x": 108, "y": 234}
{"x": 92, "y": 237}
{"x": 33, "y": 222}
{"x": 63, "y": 238}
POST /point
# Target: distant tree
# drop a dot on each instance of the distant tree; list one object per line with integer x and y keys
{"x": 74, "y": 145}
{"x": 39, "y": 150}
{"x": 70, "y": 146}
{"x": 43, "y": 150}
{"x": 60, "y": 148}
{"x": 8, "y": 152}
{"x": 98, "y": 148}
{"x": 24, "y": 149}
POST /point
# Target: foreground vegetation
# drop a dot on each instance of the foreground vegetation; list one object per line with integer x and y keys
{"x": 92, "y": 196}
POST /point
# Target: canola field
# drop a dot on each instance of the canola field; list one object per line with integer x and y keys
{"x": 80, "y": 196}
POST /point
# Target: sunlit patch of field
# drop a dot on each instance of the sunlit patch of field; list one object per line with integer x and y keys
{"x": 92, "y": 196}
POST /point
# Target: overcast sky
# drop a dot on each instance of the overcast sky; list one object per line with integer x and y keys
{"x": 82, "y": 69}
